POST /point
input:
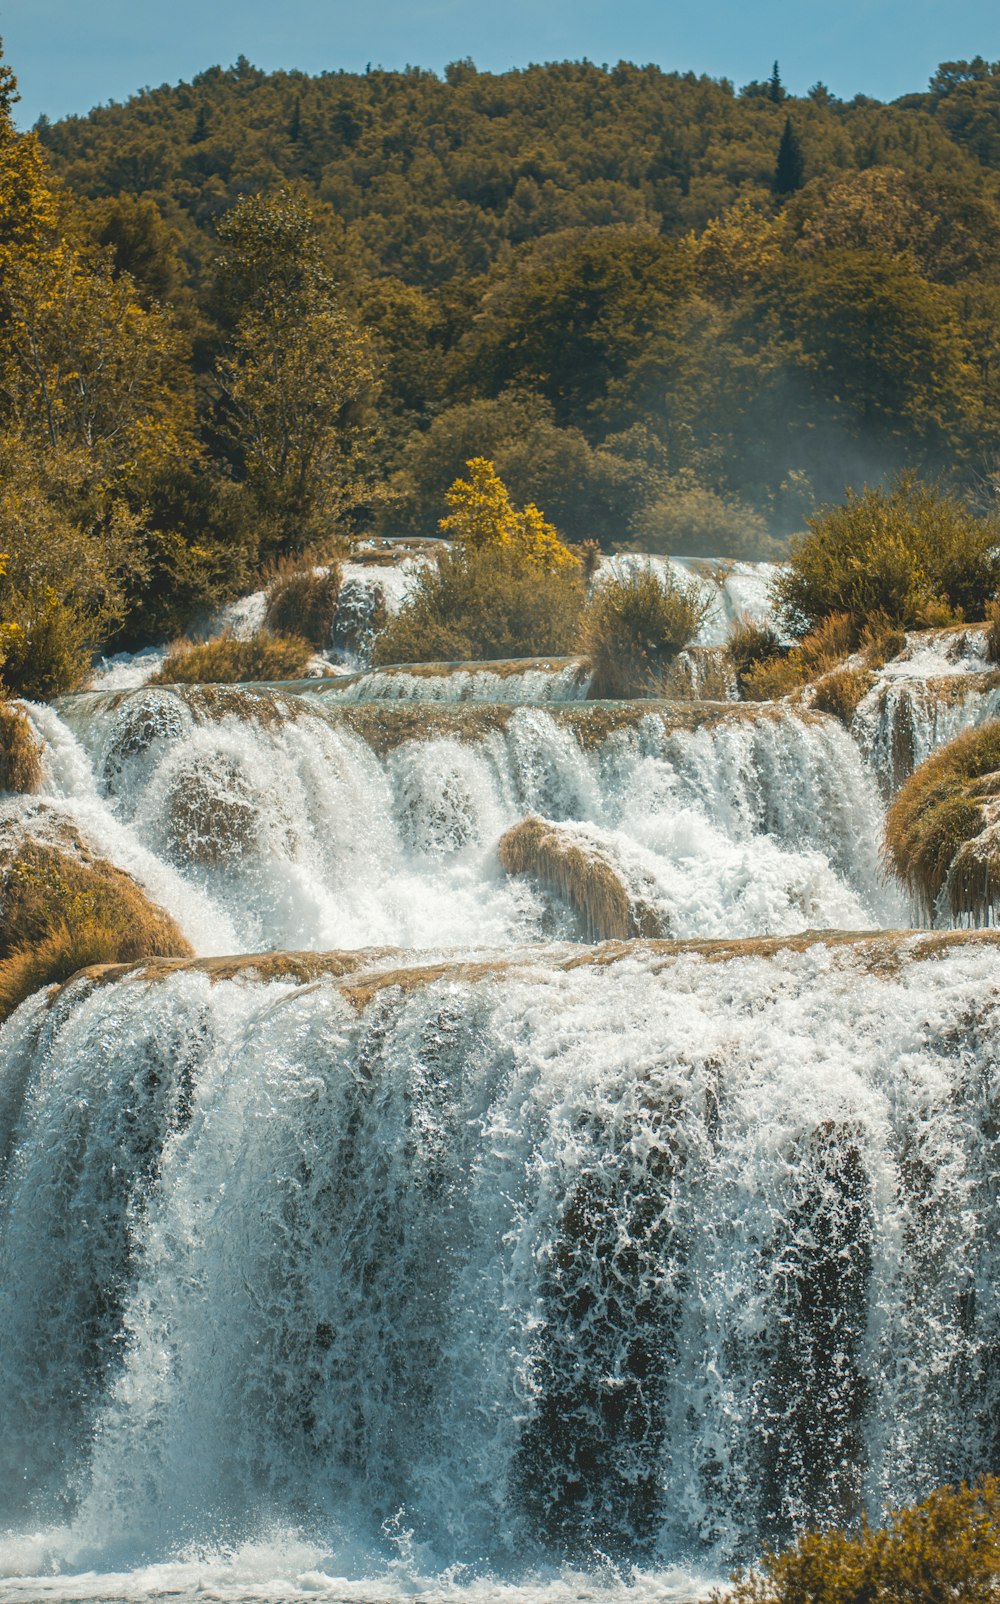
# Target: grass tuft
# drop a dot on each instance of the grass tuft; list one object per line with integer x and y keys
{"x": 944, "y": 818}
{"x": 583, "y": 876}
{"x": 20, "y": 752}
{"x": 302, "y": 601}
{"x": 61, "y": 902}
{"x": 229, "y": 661}
{"x": 634, "y": 626}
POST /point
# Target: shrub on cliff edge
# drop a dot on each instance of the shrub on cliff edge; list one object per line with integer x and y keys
{"x": 946, "y": 1547}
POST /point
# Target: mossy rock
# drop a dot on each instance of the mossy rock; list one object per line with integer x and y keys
{"x": 62, "y": 908}
{"x": 942, "y": 832}
{"x": 212, "y": 811}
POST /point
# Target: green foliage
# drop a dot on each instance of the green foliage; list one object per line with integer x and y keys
{"x": 69, "y": 557}
{"x": 229, "y": 661}
{"x": 770, "y": 675}
{"x": 634, "y": 626}
{"x": 297, "y": 373}
{"x": 944, "y": 1548}
{"x": 894, "y": 554}
{"x": 485, "y": 603}
{"x": 750, "y": 643}
{"x": 697, "y": 522}
{"x": 588, "y": 493}
{"x": 789, "y": 167}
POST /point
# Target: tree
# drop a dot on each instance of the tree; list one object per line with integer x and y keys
{"x": 790, "y": 167}
{"x": 775, "y": 87}
{"x": 298, "y": 375}
{"x": 484, "y": 518}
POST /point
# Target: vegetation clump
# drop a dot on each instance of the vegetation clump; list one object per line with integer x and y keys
{"x": 302, "y": 600}
{"x": 20, "y": 752}
{"x": 584, "y": 876}
{"x": 230, "y": 661}
{"x": 509, "y": 588}
{"x": 909, "y": 554}
{"x": 750, "y": 643}
{"x": 634, "y": 625}
{"x": 63, "y": 907}
{"x": 946, "y": 1547}
{"x": 942, "y": 831}
{"x": 822, "y": 649}
{"x": 839, "y": 692}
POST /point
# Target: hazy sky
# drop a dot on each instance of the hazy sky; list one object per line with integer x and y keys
{"x": 72, "y": 54}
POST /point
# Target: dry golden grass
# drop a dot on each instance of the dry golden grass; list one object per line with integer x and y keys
{"x": 945, "y": 1548}
{"x": 583, "y": 876}
{"x": 231, "y": 661}
{"x": 817, "y": 653}
{"x": 302, "y": 601}
{"x": 944, "y": 810}
{"x": 20, "y": 752}
{"x": 60, "y": 902}
{"x": 840, "y": 692}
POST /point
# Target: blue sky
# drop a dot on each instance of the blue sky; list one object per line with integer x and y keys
{"x": 72, "y": 54}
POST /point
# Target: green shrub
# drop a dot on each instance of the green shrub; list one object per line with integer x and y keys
{"x": 64, "y": 908}
{"x": 937, "y": 829}
{"x": 229, "y": 661}
{"x": 909, "y": 554}
{"x": 634, "y": 626}
{"x": 822, "y": 650}
{"x": 20, "y": 752}
{"x": 485, "y": 604}
{"x": 945, "y": 1548}
{"x": 69, "y": 552}
{"x": 200, "y": 552}
{"x": 699, "y": 522}
{"x": 751, "y": 642}
{"x": 302, "y": 600}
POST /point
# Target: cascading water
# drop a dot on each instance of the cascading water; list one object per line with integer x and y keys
{"x": 629, "y": 1262}
{"x": 491, "y": 1261}
{"x": 302, "y": 834}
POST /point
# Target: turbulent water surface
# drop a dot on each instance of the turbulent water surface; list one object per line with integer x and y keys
{"x": 447, "y": 1252}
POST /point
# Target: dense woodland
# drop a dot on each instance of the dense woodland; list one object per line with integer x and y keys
{"x": 245, "y": 314}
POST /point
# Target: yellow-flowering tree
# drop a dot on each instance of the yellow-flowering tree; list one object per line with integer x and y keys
{"x": 484, "y": 518}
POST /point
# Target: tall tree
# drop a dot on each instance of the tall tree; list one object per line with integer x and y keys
{"x": 298, "y": 374}
{"x": 775, "y": 87}
{"x": 790, "y": 167}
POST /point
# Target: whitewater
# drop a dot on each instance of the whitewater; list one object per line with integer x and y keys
{"x": 407, "y": 1241}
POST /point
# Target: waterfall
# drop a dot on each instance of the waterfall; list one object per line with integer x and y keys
{"x": 411, "y": 1240}
{"x": 636, "y": 1258}
{"x": 305, "y": 823}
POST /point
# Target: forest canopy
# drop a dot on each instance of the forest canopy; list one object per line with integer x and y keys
{"x": 675, "y": 314}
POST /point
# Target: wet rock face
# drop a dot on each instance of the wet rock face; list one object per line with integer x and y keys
{"x": 213, "y": 812}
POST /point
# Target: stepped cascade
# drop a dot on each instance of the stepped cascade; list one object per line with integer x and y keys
{"x": 554, "y": 1163}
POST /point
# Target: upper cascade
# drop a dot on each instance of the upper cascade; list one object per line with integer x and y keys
{"x": 300, "y": 821}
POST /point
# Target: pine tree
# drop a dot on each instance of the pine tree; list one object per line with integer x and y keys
{"x": 200, "y": 131}
{"x": 295, "y": 122}
{"x": 775, "y": 87}
{"x": 790, "y": 167}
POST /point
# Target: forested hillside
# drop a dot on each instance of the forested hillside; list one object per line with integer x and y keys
{"x": 671, "y": 313}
